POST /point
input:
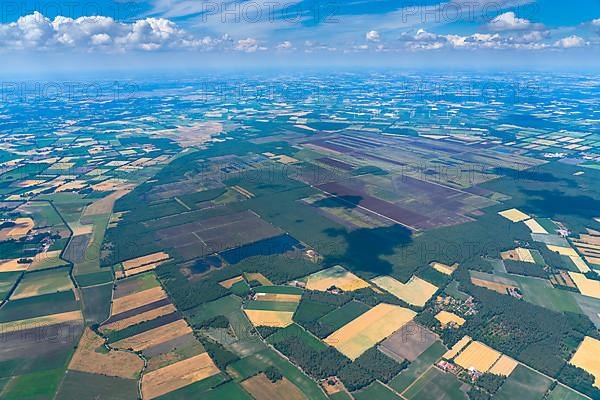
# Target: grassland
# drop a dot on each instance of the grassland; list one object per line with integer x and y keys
{"x": 43, "y": 282}
{"x": 401, "y": 382}
{"x": 435, "y": 384}
{"x": 376, "y": 390}
{"x": 524, "y": 383}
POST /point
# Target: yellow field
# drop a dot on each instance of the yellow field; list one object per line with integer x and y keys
{"x": 154, "y": 336}
{"x": 138, "y": 299}
{"x": 144, "y": 260}
{"x": 261, "y": 388}
{"x": 70, "y": 186}
{"x": 178, "y": 375}
{"x": 443, "y": 268}
{"x": 587, "y": 287}
{"x": 586, "y": 357}
{"x": 144, "y": 268}
{"x": 12, "y": 265}
{"x": 446, "y": 318}
{"x": 291, "y": 298}
{"x": 416, "y": 291}
{"x": 504, "y": 366}
{"x": 257, "y": 276}
{"x": 479, "y": 356}
{"x": 105, "y": 204}
{"x": 518, "y": 254}
{"x": 113, "y": 363}
{"x": 39, "y": 322}
{"x": 458, "y": 346}
{"x": 565, "y": 251}
{"x": 230, "y": 282}
{"x": 277, "y": 319}
{"x": 335, "y": 276}
{"x": 136, "y": 319}
{"x": 496, "y": 287}
{"x": 370, "y": 328}
{"x": 580, "y": 264}
{"x": 514, "y": 215}
{"x": 535, "y": 227}
{"x": 22, "y": 227}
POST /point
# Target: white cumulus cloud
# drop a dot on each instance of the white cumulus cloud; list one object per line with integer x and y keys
{"x": 373, "y": 36}
{"x": 570, "y": 42}
{"x": 509, "y": 22}
{"x": 248, "y": 45}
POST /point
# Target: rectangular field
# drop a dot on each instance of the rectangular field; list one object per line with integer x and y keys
{"x": 479, "y": 356}
{"x": 416, "y": 291}
{"x": 335, "y": 276}
{"x": 409, "y": 342}
{"x": 586, "y": 357}
{"x": 524, "y": 383}
{"x": 364, "y": 332}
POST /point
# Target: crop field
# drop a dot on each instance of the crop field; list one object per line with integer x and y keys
{"x": 50, "y": 259}
{"x": 228, "y": 283}
{"x": 447, "y": 318}
{"x": 514, "y": 215}
{"x": 409, "y": 342}
{"x": 140, "y": 317}
{"x": 435, "y": 384}
{"x": 586, "y": 286}
{"x": 46, "y": 320}
{"x": 561, "y": 392}
{"x": 278, "y": 319}
{"x": 586, "y": 357}
{"x": 375, "y": 390}
{"x": 343, "y": 315}
{"x": 535, "y": 226}
{"x": 364, "y": 332}
{"x": 136, "y": 300}
{"x": 261, "y": 388}
{"x": 89, "y": 358}
{"x": 7, "y": 281}
{"x": 154, "y": 336}
{"x": 478, "y": 356}
{"x": 39, "y": 306}
{"x": 86, "y": 386}
{"x": 492, "y": 282}
{"x": 177, "y": 375}
{"x": 135, "y": 284}
{"x": 43, "y": 282}
{"x": 504, "y": 366}
{"x": 417, "y": 368}
{"x": 416, "y": 291}
{"x": 12, "y": 266}
{"x": 457, "y": 348}
{"x": 524, "y": 383}
{"x": 144, "y": 260}
{"x": 443, "y": 268}
{"x": 335, "y": 276}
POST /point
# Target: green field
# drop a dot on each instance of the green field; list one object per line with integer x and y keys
{"x": 542, "y": 293}
{"x": 271, "y": 305}
{"x": 195, "y": 389}
{"x": 278, "y": 289}
{"x": 524, "y": 383}
{"x": 255, "y": 363}
{"x": 35, "y": 386}
{"x": 43, "y": 282}
{"x": 435, "y": 384}
{"x": 561, "y": 392}
{"x": 310, "y": 310}
{"x": 230, "y": 391}
{"x": 417, "y": 367}
{"x": 96, "y": 303}
{"x": 377, "y": 391}
{"x": 38, "y": 306}
{"x": 7, "y": 281}
{"x": 340, "y": 317}
{"x": 84, "y": 386}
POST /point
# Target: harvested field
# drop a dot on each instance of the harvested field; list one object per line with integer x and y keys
{"x": 109, "y": 185}
{"x": 373, "y": 326}
{"x": 230, "y": 282}
{"x": 514, "y": 215}
{"x": 139, "y": 270}
{"x": 409, "y": 342}
{"x": 504, "y": 366}
{"x": 145, "y": 260}
{"x": 580, "y": 264}
{"x": 586, "y": 357}
{"x": 564, "y": 251}
{"x": 20, "y": 229}
{"x": 535, "y": 227}
{"x": 587, "y": 287}
{"x": 138, "y": 299}
{"x": 154, "y": 336}
{"x": 518, "y": 254}
{"x": 443, "y": 268}
{"x": 479, "y": 356}
{"x": 492, "y": 282}
{"x": 257, "y": 276}
{"x": 39, "y": 322}
{"x": 458, "y": 346}
{"x": 261, "y": 388}
{"x": 416, "y": 291}
{"x": 136, "y": 284}
{"x": 141, "y": 317}
{"x": 335, "y": 276}
{"x": 104, "y": 205}
{"x": 87, "y": 358}
{"x": 48, "y": 259}
{"x": 278, "y": 319}
{"x": 447, "y": 318}
{"x": 12, "y": 265}
{"x": 177, "y": 375}
{"x": 292, "y": 298}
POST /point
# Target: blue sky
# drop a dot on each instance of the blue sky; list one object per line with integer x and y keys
{"x": 201, "y": 32}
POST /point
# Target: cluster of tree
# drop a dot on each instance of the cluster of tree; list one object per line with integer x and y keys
{"x": 318, "y": 364}
{"x": 525, "y": 268}
{"x": 580, "y": 380}
{"x": 188, "y": 294}
{"x": 221, "y": 356}
{"x": 476, "y": 393}
{"x": 266, "y": 331}
{"x": 273, "y": 374}
{"x": 371, "y": 365}
{"x": 535, "y": 335}
{"x": 278, "y": 268}
{"x": 219, "y": 321}
{"x": 490, "y": 382}
{"x": 433, "y": 276}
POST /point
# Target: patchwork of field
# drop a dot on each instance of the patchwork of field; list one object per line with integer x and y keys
{"x": 364, "y": 332}
{"x": 443, "y": 268}
{"x": 586, "y": 357}
{"x": 261, "y": 388}
{"x": 514, "y": 215}
{"x": 477, "y": 356}
{"x": 416, "y": 291}
{"x": 335, "y": 276}
{"x": 277, "y": 319}
{"x": 409, "y": 342}
{"x": 524, "y": 383}
{"x": 139, "y": 299}
{"x": 43, "y": 282}
{"x": 143, "y": 264}
{"x": 587, "y": 287}
{"x": 435, "y": 384}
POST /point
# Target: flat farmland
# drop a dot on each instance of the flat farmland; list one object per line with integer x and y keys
{"x": 424, "y": 362}
{"x": 216, "y": 234}
{"x": 343, "y": 315}
{"x": 86, "y": 386}
{"x": 335, "y": 276}
{"x": 409, "y": 342}
{"x": 586, "y": 357}
{"x": 139, "y": 299}
{"x": 178, "y": 375}
{"x": 375, "y": 390}
{"x": 478, "y": 356}
{"x": 435, "y": 384}
{"x": 154, "y": 336}
{"x": 364, "y": 332}
{"x": 524, "y": 383}
{"x": 416, "y": 291}
{"x": 261, "y": 388}
{"x": 43, "y": 282}
{"x": 561, "y": 392}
